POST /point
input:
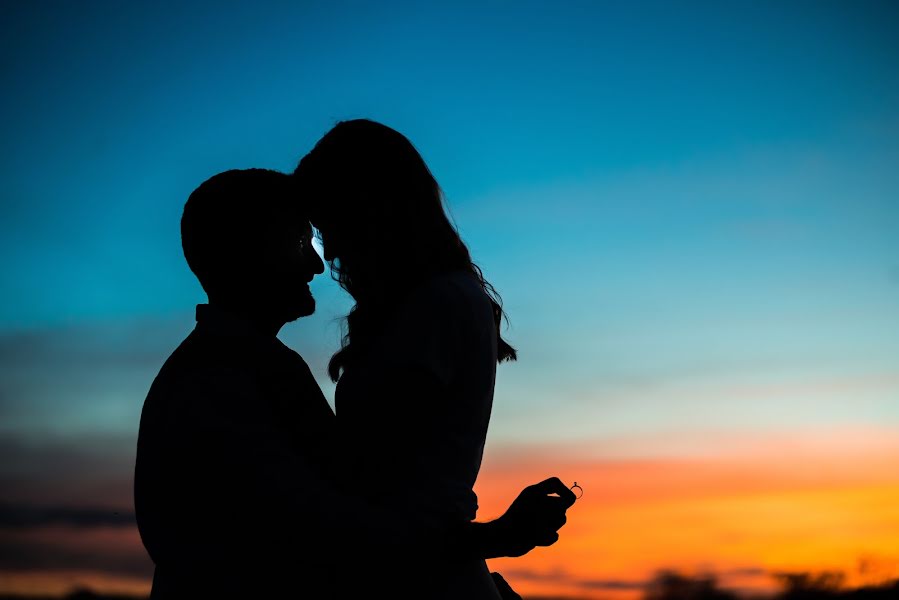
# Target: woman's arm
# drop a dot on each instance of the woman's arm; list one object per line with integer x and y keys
{"x": 533, "y": 519}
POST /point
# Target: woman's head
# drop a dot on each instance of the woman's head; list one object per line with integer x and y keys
{"x": 377, "y": 207}
{"x": 380, "y": 213}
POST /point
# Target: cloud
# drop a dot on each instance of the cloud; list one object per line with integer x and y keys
{"x": 744, "y": 572}
{"x": 27, "y": 517}
{"x": 563, "y": 577}
{"x": 94, "y": 376}
{"x": 86, "y": 471}
{"x": 87, "y": 378}
{"x": 18, "y": 553}
{"x": 610, "y": 584}
{"x": 133, "y": 342}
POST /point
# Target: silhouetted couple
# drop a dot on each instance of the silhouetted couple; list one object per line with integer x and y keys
{"x": 246, "y": 483}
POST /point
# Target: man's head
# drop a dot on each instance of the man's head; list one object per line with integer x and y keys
{"x": 245, "y": 238}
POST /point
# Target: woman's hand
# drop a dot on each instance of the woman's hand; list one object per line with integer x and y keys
{"x": 533, "y": 519}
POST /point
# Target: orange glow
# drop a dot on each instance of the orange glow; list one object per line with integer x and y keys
{"x": 739, "y": 506}
{"x": 800, "y": 503}
{"x": 62, "y": 582}
{"x": 113, "y": 557}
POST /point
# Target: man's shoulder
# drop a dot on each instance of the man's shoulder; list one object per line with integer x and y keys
{"x": 200, "y": 364}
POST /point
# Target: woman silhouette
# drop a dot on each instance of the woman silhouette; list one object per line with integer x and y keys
{"x": 415, "y": 373}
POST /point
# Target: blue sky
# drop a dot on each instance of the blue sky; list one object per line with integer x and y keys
{"x": 690, "y": 209}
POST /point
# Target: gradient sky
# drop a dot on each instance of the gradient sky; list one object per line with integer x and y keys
{"x": 691, "y": 211}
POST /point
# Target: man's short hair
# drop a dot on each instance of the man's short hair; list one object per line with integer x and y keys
{"x": 227, "y": 218}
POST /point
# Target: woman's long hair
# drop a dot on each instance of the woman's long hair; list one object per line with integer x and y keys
{"x": 385, "y": 229}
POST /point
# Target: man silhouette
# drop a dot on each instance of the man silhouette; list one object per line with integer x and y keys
{"x": 235, "y": 493}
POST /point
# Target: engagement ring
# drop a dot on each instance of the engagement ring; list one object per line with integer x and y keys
{"x": 579, "y": 492}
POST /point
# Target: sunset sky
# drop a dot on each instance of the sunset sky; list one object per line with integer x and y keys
{"x": 690, "y": 209}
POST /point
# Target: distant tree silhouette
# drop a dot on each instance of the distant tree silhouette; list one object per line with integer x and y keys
{"x": 886, "y": 591}
{"x": 671, "y": 585}
{"x": 827, "y": 585}
{"x": 802, "y": 586}
{"x": 665, "y": 585}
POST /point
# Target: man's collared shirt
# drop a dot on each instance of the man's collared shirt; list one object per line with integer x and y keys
{"x": 234, "y": 432}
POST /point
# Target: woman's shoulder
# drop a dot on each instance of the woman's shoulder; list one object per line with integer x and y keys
{"x": 451, "y": 286}
{"x": 456, "y": 295}
{"x": 443, "y": 323}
